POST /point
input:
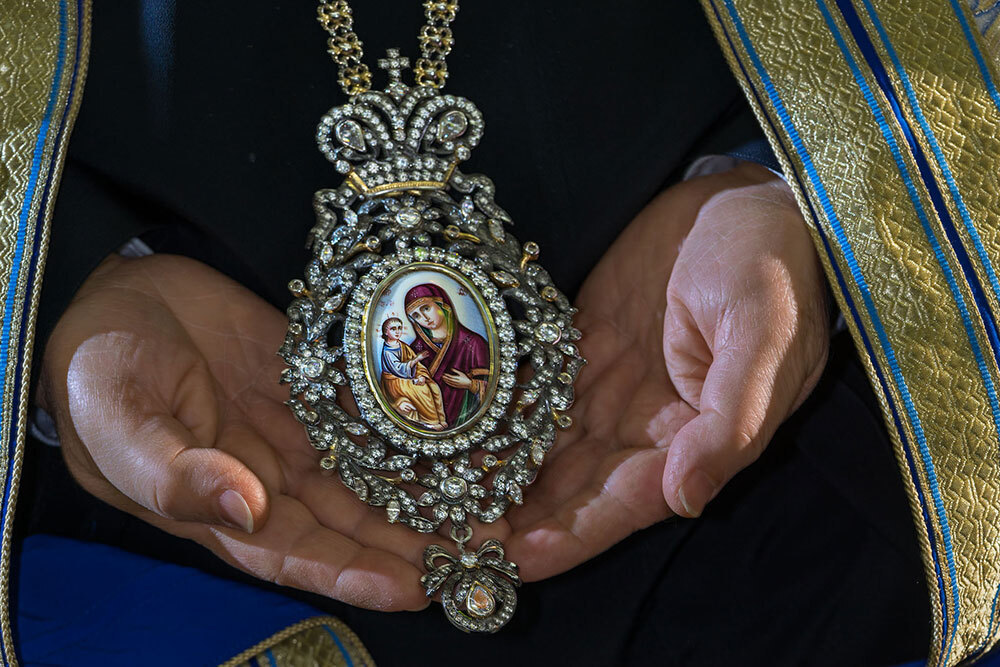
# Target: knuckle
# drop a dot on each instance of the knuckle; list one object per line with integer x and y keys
{"x": 748, "y": 446}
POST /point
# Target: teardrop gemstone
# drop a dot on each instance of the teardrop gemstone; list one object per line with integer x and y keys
{"x": 480, "y": 601}
{"x": 349, "y": 133}
{"x": 452, "y": 126}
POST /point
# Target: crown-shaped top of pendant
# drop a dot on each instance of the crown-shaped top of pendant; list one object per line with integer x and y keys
{"x": 401, "y": 135}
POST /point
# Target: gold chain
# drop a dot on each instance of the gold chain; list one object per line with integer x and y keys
{"x": 345, "y": 48}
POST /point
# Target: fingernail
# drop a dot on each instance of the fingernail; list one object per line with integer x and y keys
{"x": 235, "y": 510}
{"x": 696, "y": 491}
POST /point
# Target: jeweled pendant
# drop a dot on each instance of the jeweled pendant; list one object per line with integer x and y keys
{"x": 457, "y": 349}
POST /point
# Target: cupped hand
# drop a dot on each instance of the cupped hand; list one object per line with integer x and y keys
{"x": 162, "y": 377}
{"x": 746, "y": 334}
{"x": 163, "y": 380}
{"x": 685, "y": 384}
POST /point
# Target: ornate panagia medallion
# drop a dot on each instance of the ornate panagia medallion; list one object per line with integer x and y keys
{"x": 458, "y": 351}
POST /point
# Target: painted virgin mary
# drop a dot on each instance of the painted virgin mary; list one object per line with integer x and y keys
{"x": 458, "y": 358}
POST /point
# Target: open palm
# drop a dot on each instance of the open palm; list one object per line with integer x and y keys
{"x": 704, "y": 325}
{"x": 602, "y": 480}
{"x": 162, "y": 377}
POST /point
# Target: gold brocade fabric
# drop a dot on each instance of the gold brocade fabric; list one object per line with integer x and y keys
{"x": 322, "y": 641}
{"x": 986, "y": 14}
{"x": 886, "y": 118}
{"x": 43, "y": 49}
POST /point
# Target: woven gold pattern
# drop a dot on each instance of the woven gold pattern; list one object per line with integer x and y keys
{"x": 309, "y": 643}
{"x": 40, "y": 77}
{"x": 986, "y": 14}
{"x": 800, "y": 68}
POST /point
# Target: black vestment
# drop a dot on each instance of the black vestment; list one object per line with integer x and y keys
{"x": 196, "y": 134}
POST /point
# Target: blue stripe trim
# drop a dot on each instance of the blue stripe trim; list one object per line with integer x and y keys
{"x": 271, "y": 660}
{"x": 29, "y": 195}
{"x": 982, "y": 302}
{"x": 861, "y": 38}
{"x": 5, "y": 342}
{"x": 853, "y": 312}
{"x": 851, "y": 261}
{"x": 984, "y": 72}
{"x": 984, "y": 68}
{"x": 340, "y": 645}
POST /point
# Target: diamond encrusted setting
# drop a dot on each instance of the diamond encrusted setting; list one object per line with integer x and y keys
{"x": 405, "y": 205}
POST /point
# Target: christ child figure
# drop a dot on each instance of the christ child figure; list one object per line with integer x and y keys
{"x": 407, "y": 383}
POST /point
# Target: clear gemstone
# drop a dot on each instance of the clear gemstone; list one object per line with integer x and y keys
{"x": 408, "y": 218}
{"x": 548, "y": 333}
{"x": 355, "y": 429}
{"x": 453, "y": 487}
{"x": 469, "y": 560}
{"x": 313, "y": 367}
{"x": 349, "y": 133}
{"x": 537, "y": 454}
{"x": 452, "y": 125}
{"x": 480, "y": 601}
{"x": 392, "y": 511}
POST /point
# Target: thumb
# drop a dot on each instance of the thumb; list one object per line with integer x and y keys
{"x": 121, "y": 427}
{"x": 742, "y": 403}
{"x": 170, "y": 474}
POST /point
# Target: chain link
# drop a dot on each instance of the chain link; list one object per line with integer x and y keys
{"x": 435, "y": 39}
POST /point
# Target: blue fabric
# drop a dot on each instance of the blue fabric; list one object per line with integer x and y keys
{"x": 758, "y": 151}
{"x": 89, "y": 604}
{"x": 158, "y": 48}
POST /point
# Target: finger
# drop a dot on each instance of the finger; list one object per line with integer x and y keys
{"x": 622, "y": 497}
{"x": 168, "y": 473}
{"x": 293, "y": 550}
{"x": 143, "y": 450}
{"x": 338, "y": 508}
{"x": 740, "y": 406}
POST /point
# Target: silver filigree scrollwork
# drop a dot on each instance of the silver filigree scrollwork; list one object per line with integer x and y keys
{"x": 404, "y": 203}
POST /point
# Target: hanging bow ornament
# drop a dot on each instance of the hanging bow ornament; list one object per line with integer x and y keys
{"x": 477, "y": 588}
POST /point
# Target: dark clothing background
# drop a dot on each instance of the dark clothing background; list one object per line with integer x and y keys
{"x": 196, "y": 133}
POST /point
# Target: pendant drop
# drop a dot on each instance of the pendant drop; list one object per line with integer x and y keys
{"x": 452, "y": 340}
{"x": 477, "y": 588}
